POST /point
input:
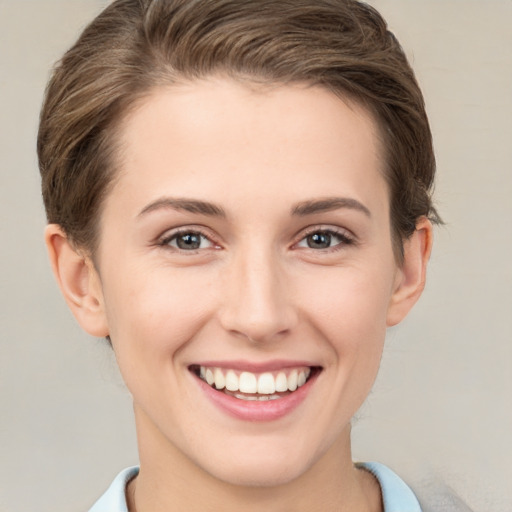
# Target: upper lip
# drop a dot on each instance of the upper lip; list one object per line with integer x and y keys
{"x": 256, "y": 367}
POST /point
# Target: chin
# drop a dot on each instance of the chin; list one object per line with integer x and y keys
{"x": 259, "y": 467}
{"x": 260, "y": 475}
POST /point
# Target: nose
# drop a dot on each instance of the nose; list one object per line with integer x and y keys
{"x": 257, "y": 299}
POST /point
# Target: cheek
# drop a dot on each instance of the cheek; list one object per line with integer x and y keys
{"x": 151, "y": 318}
{"x": 156, "y": 310}
{"x": 350, "y": 304}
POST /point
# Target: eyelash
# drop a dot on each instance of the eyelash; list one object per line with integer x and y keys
{"x": 344, "y": 238}
{"x": 342, "y": 235}
{"x": 166, "y": 240}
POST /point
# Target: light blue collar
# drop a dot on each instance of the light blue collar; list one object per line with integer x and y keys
{"x": 396, "y": 495}
{"x": 114, "y": 499}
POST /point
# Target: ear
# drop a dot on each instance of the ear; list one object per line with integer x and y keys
{"x": 78, "y": 281}
{"x": 411, "y": 275}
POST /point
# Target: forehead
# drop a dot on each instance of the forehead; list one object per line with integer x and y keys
{"x": 212, "y": 136}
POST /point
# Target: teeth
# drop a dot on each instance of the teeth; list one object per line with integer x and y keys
{"x": 248, "y": 383}
{"x": 281, "y": 382}
{"x": 293, "y": 380}
{"x": 265, "y": 384}
{"x": 254, "y": 398}
{"x": 232, "y": 381}
{"x": 220, "y": 381}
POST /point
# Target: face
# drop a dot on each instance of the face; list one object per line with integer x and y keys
{"x": 246, "y": 246}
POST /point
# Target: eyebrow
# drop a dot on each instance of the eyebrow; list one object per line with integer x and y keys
{"x": 303, "y": 208}
{"x": 328, "y": 204}
{"x": 189, "y": 205}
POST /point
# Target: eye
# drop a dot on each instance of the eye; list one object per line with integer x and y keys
{"x": 188, "y": 241}
{"x": 324, "y": 239}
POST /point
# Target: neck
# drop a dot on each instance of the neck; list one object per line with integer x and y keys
{"x": 169, "y": 481}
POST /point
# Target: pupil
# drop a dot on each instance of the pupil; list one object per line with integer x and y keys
{"x": 189, "y": 241}
{"x": 319, "y": 241}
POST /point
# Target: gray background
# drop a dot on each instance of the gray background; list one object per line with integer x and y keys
{"x": 441, "y": 408}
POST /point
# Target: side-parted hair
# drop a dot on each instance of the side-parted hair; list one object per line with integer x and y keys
{"x": 134, "y": 46}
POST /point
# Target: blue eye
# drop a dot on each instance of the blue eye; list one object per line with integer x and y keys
{"x": 188, "y": 241}
{"x": 324, "y": 239}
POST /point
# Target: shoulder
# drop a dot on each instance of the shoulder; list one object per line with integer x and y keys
{"x": 114, "y": 499}
{"x": 429, "y": 495}
{"x": 396, "y": 494}
{"x": 434, "y": 495}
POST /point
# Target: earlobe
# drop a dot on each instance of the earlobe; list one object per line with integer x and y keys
{"x": 411, "y": 275}
{"x": 78, "y": 281}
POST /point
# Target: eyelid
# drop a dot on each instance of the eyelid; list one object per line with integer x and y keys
{"x": 347, "y": 235}
{"x": 164, "y": 239}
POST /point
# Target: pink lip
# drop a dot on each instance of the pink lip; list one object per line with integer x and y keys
{"x": 250, "y": 366}
{"x": 268, "y": 410}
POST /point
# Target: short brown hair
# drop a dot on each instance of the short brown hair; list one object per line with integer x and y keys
{"x": 135, "y": 45}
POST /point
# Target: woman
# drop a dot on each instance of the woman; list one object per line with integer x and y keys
{"x": 238, "y": 197}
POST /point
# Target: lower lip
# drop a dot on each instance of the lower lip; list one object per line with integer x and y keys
{"x": 254, "y": 410}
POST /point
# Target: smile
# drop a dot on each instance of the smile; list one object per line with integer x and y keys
{"x": 250, "y": 386}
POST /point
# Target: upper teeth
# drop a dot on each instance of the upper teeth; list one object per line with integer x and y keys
{"x": 246, "y": 382}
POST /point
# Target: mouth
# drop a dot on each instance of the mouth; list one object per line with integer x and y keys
{"x": 249, "y": 386}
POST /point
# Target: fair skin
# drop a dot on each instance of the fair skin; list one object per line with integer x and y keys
{"x": 248, "y": 231}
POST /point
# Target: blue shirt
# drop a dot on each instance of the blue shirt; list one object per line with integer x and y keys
{"x": 396, "y": 495}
